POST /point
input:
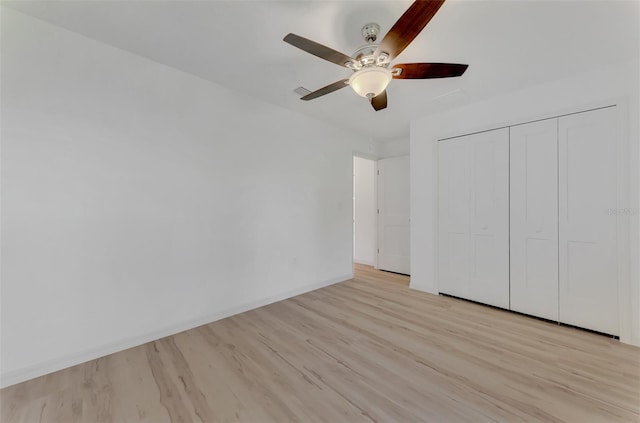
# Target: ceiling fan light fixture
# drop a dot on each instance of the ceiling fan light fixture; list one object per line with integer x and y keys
{"x": 370, "y": 81}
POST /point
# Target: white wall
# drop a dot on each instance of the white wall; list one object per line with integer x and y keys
{"x": 608, "y": 85}
{"x": 393, "y": 148}
{"x": 364, "y": 211}
{"x": 138, "y": 201}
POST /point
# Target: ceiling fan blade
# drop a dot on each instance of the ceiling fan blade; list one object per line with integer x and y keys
{"x": 326, "y": 90}
{"x": 408, "y": 27}
{"x": 429, "y": 70}
{"x": 318, "y": 50}
{"x": 379, "y": 102}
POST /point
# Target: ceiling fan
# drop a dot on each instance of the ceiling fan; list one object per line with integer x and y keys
{"x": 370, "y": 63}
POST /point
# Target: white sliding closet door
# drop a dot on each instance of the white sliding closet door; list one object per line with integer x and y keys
{"x": 473, "y": 222}
{"x": 534, "y": 218}
{"x": 588, "y": 245}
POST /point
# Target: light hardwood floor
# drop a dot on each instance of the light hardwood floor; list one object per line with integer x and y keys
{"x": 368, "y": 349}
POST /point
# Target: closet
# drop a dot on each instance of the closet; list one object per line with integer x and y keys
{"x": 527, "y": 222}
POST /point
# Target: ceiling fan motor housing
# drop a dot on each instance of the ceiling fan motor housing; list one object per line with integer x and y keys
{"x": 365, "y": 57}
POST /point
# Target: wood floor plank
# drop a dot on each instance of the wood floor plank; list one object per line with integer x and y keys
{"x": 366, "y": 350}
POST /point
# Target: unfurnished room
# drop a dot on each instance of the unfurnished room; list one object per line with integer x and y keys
{"x": 319, "y": 211}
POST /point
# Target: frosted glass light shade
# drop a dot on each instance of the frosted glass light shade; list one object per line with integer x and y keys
{"x": 369, "y": 82}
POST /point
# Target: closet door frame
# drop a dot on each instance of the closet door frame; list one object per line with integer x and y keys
{"x": 628, "y": 219}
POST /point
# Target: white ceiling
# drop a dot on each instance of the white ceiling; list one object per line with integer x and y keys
{"x": 238, "y": 44}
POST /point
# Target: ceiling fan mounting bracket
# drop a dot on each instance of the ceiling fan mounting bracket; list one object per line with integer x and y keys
{"x": 370, "y": 32}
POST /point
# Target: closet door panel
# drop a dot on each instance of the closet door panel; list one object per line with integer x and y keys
{"x": 473, "y": 217}
{"x": 588, "y": 230}
{"x": 534, "y": 218}
{"x": 453, "y": 220}
{"x": 489, "y": 261}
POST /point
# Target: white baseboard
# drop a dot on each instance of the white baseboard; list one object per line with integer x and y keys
{"x": 365, "y": 262}
{"x": 16, "y": 376}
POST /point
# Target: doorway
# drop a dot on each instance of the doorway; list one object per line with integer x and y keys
{"x": 393, "y": 215}
{"x": 364, "y": 211}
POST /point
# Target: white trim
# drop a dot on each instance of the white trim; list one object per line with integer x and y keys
{"x": 50, "y": 366}
{"x": 624, "y": 244}
{"x": 365, "y": 262}
{"x": 524, "y": 119}
{"x": 376, "y": 246}
{"x": 353, "y": 208}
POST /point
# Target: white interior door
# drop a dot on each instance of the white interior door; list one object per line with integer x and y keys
{"x": 364, "y": 211}
{"x": 473, "y": 217}
{"x": 393, "y": 218}
{"x": 588, "y": 237}
{"x": 534, "y": 218}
